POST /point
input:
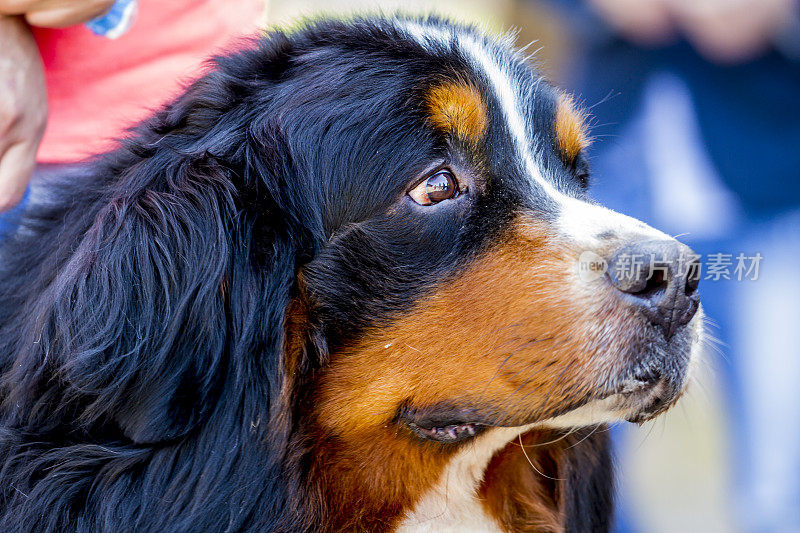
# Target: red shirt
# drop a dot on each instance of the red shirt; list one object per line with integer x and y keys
{"x": 97, "y": 86}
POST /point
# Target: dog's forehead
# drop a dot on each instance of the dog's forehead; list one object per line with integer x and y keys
{"x": 527, "y": 121}
{"x": 500, "y": 104}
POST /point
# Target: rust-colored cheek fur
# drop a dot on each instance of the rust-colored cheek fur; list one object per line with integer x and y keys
{"x": 570, "y": 128}
{"x": 511, "y": 335}
{"x": 458, "y": 109}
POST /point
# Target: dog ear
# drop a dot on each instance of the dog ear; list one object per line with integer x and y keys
{"x": 177, "y": 291}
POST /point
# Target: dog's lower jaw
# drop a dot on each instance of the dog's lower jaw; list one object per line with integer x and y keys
{"x": 638, "y": 401}
{"x": 453, "y": 503}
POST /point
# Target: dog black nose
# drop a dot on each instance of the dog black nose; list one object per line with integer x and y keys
{"x": 660, "y": 278}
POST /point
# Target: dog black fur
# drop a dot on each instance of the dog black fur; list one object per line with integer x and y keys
{"x": 144, "y": 302}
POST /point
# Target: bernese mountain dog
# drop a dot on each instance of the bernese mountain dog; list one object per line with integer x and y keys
{"x": 336, "y": 285}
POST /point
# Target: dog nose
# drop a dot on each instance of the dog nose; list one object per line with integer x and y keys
{"x": 660, "y": 278}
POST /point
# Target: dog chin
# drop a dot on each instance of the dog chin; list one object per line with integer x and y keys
{"x": 638, "y": 400}
{"x": 642, "y": 404}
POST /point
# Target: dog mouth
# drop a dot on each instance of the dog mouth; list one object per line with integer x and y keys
{"x": 450, "y": 433}
{"x": 635, "y": 399}
{"x": 644, "y": 400}
{"x": 445, "y": 423}
{"x": 640, "y": 402}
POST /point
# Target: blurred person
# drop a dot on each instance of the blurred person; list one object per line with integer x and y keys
{"x": 67, "y": 92}
{"x": 698, "y": 116}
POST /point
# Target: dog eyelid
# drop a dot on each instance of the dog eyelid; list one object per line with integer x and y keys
{"x": 440, "y": 186}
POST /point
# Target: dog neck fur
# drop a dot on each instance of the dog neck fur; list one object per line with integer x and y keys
{"x": 452, "y": 504}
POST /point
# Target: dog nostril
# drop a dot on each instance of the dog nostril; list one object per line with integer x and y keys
{"x": 662, "y": 285}
{"x": 692, "y": 277}
{"x": 653, "y": 285}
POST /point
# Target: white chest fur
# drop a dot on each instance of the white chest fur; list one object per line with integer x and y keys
{"x": 452, "y": 504}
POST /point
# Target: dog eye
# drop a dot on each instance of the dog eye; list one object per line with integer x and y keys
{"x": 441, "y": 186}
{"x": 581, "y": 170}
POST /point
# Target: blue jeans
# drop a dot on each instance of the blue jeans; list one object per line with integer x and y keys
{"x": 10, "y": 219}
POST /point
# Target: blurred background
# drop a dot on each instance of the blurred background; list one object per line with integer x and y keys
{"x": 695, "y": 109}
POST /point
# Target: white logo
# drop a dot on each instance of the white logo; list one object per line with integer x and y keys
{"x": 591, "y": 266}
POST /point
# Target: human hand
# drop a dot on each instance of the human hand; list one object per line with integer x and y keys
{"x": 23, "y": 108}
{"x": 646, "y": 22}
{"x": 729, "y": 31}
{"x": 721, "y": 30}
{"x": 55, "y": 13}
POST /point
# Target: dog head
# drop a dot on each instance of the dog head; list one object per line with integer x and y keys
{"x": 453, "y": 284}
{"x": 451, "y": 290}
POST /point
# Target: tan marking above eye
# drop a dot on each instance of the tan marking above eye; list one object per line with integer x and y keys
{"x": 570, "y": 128}
{"x": 457, "y": 108}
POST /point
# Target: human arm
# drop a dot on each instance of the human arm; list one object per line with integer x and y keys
{"x": 23, "y": 108}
